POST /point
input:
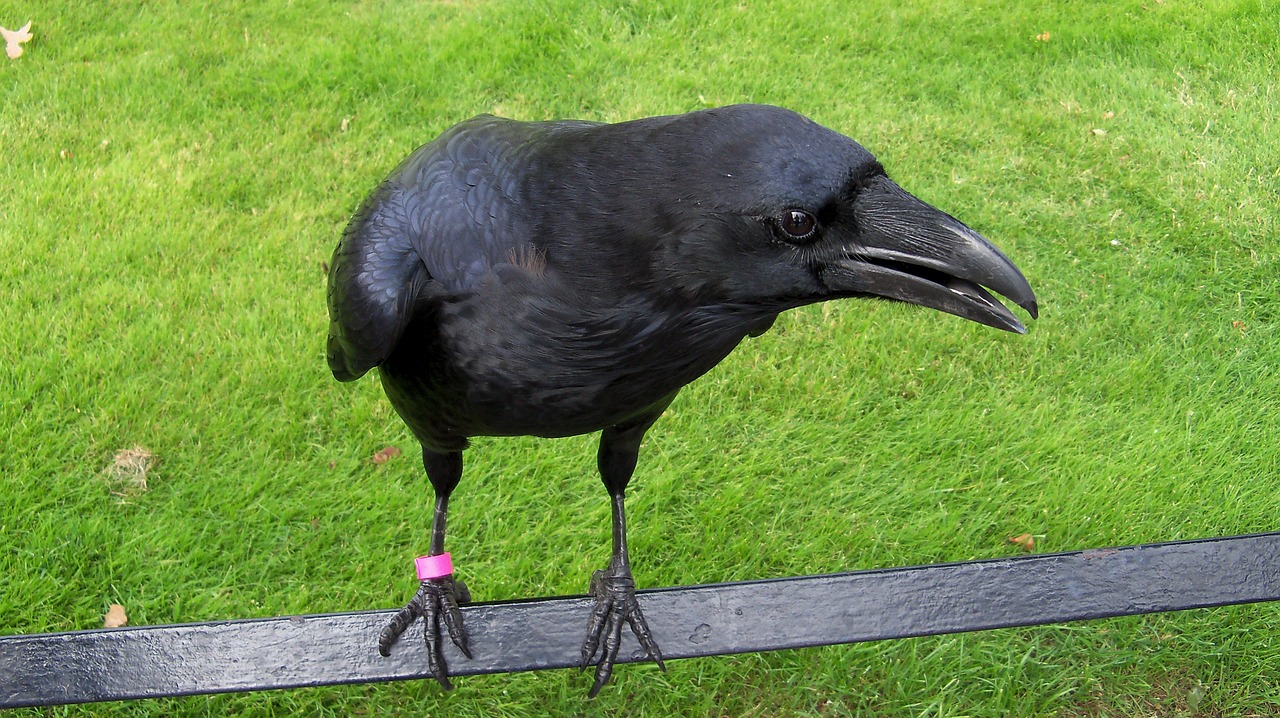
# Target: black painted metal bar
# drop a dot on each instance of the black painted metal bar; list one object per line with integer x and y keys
{"x": 297, "y": 651}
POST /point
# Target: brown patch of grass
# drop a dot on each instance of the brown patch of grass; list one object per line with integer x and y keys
{"x": 126, "y": 475}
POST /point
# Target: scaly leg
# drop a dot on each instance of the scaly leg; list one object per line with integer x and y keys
{"x": 614, "y": 588}
{"x": 437, "y": 599}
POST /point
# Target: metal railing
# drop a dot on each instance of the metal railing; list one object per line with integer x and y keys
{"x": 708, "y": 620}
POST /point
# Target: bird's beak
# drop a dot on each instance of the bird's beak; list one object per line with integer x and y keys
{"x": 907, "y": 250}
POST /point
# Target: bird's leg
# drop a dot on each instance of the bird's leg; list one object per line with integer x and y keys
{"x": 614, "y": 588}
{"x": 438, "y": 597}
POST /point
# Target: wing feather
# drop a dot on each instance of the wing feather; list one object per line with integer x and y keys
{"x": 375, "y": 280}
{"x": 439, "y": 224}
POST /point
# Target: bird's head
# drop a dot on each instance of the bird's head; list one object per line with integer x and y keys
{"x": 781, "y": 210}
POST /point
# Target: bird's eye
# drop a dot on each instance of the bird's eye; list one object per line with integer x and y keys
{"x": 797, "y": 224}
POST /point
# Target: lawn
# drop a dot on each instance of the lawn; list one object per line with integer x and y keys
{"x": 176, "y": 174}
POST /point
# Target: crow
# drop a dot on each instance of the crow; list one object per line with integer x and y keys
{"x": 565, "y": 277}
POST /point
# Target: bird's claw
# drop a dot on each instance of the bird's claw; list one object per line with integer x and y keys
{"x": 615, "y": 594}
{"x": 437, "y": 600}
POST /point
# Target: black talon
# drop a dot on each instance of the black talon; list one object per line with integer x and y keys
{"x": 453, "y": 618}
{"x": 615, "y": 593}
{"x": 399, "y": 622}
{"x": 612, "y": 639}
{"x": 437, "y": 600}
{"x": 614, "y": 588}
{"x": 641, "y": 628}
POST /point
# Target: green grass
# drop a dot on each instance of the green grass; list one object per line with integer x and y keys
{"x": 175, "y": 174}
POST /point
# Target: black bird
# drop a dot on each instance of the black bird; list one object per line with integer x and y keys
{"x": 559, "y": 278}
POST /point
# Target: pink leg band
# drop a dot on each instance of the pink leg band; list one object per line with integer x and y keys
{"x": 436, "y": 566}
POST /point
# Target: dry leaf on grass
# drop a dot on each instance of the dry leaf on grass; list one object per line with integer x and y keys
{"x": 13, "y": 40}
{"x": 1026, "y": 542}
{"x": 115, "y": 617}
{"x": 386, "y": 454}
{"x": 127, "y": 473}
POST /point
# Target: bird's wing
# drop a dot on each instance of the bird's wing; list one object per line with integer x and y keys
{"x": 444, "y": 222}
{"x": 375, "y": 280}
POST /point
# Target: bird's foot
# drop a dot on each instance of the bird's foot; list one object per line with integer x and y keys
{"x": 615, "y": 592}
{"x": 437, "y": 600}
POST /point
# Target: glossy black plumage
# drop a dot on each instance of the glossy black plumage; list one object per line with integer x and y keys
{"x": 559, "y": 278}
